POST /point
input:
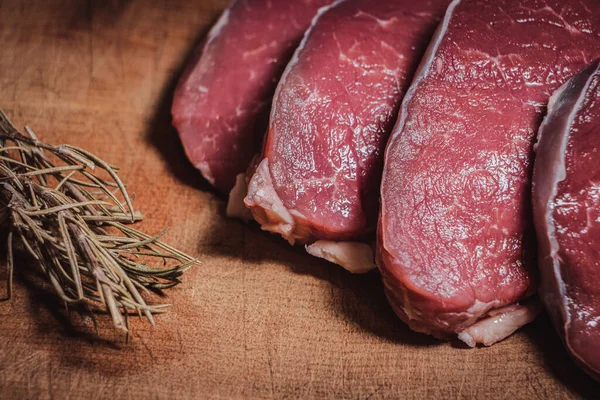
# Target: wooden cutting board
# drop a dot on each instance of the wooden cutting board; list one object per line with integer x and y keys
{"x": 258, "y": 319}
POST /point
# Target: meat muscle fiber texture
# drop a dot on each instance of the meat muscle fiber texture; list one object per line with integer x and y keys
{"x": 455, "y": 245}
{"x": 332, "y": 113}
{"x": 221, "y": 104}
{"x": 566, "y": 203}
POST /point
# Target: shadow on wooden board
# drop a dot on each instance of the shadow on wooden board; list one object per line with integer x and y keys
{"x": 105, "y": 12}
{"x": 557, "y": 360}
{"x": 50, "y": 324}
{"x": 163, "y": 135}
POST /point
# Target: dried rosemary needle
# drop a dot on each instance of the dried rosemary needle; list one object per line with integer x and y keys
{"x": 70, "y": 211}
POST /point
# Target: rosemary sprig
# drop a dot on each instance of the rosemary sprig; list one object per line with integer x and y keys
{"x": 68, "y": 209}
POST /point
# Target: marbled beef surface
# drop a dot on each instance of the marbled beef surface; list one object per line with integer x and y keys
{"x": 332, "y": 114}
{"x": 456, "y": 235}
{"x": 222, "y": 102}
{"x": 566, "y": 199}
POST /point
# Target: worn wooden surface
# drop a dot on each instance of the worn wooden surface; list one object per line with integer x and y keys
{"x": 258, "y": 319}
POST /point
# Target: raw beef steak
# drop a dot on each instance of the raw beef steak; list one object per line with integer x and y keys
{"x": 332, "y": 113}
{"x": 221, "y": 104}
{"x": 566, "y": 204}
{"x": 456, "y": 244}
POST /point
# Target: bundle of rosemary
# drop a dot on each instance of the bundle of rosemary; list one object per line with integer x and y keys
{"x": 69, "y": 210}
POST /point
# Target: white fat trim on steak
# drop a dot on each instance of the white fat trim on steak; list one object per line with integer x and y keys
{"x": 503, "y": 323}
{"x": 355, "y": 257}
{"x": 204, "y": 169}
{"x": 235, "y": 205}
{"x": 267, "y": 208}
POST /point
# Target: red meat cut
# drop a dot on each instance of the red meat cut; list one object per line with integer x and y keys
{"x": 566, "y": 203}
{"x": 221, "y": 104}
{"x": 332, "y": 113}
{"x": 456, "y": 246}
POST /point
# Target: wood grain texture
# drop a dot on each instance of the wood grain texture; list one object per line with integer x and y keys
{"x": 258, "y": 319}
